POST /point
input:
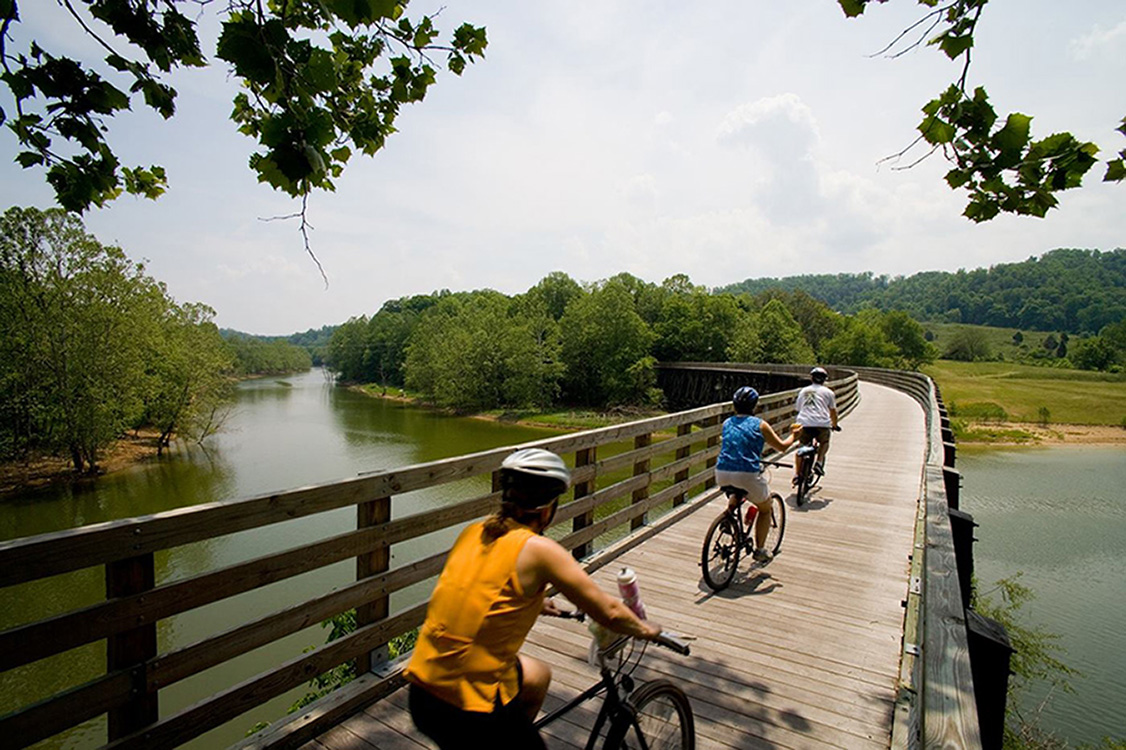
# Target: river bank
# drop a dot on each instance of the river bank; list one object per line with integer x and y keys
{"x": 43, "y": 470}
{"x": 1012, "y": 434}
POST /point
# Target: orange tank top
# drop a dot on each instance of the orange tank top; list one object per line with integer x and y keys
{"x": 476, "y": 622}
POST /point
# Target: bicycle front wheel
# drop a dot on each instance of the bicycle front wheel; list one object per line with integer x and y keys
{"x": 777, "y": 523}
{"x": 662, "y": 716}
{"x": 720, "y": 556}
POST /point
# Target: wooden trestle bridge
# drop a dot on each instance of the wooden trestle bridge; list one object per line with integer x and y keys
{"x": 855, "y": 636}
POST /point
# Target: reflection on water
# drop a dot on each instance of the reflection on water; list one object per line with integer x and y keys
{"x": 1059, "y": 516}
{"x": 283, "y": 434}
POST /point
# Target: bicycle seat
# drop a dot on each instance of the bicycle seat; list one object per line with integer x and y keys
{"x": 806, "y": 450}
{"x": 731, "y": 490}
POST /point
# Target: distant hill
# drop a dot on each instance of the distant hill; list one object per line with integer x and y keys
{"x": 1077, "y": 291}
{"x": 260, "y": 354}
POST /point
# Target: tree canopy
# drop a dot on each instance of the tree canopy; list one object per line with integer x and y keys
{"x": 994, "y": 158}
{"x": 91, "y": 346}
{"x": 321, "y": 79}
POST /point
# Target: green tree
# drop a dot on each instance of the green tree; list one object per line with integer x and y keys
{"x": 861, "y": 342}
{"x": 995, "y": 159}
{"x": 472, "y": 352}
{"x": 770, "y": 336}
{"x": 320, "y": 81}
{"x": 694, "y": 326}
{"x": 603, "y": 337}
{"x": 556, "y": 290}
{"x": 189, "y": 367}
{"x": 1094, "y": 353}
{"x": 79, "y": 321}
{"x": 905, "y": 333}
{"x": 968, "y": 345}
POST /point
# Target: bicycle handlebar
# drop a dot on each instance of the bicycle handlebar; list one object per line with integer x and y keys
{"x": 674, "y": 642}
{"x": 671, "y": 641}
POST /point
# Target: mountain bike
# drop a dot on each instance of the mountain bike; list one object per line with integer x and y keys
{"x": 731, "y": 534}
{"x": 812, "y": 469}
{"x": 652, "y": 715}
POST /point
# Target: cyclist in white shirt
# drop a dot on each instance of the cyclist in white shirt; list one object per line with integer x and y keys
{"x": 817, "y": 415}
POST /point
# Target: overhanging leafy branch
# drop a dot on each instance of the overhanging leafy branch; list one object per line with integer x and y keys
{"x": 1000, "y": 166}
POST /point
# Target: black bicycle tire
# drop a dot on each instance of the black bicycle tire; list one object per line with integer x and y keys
{"x": 777, "y": 521}
{"x": 803, "y": 482}
{"x": 644, "y": 696}
{"x": 716, "y": 584}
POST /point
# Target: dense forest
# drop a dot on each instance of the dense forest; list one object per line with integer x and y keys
{"x": 597, "y": 344}
{"x": 91, "y": 346}
{"x": 1074, "y": 291}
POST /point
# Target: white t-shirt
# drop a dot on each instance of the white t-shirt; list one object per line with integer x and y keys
{"x": 814, "y": 402}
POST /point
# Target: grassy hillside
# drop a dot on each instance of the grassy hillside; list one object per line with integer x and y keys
{"x": 1000, "y": 340}
{"x": 1016, "y": 392}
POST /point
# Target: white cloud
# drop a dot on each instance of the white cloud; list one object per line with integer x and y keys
{"x": 1100, "y": 42}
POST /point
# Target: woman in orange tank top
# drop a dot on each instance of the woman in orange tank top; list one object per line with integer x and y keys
{"x": 468, "y": 680}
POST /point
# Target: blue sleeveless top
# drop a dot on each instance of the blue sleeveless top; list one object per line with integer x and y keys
{"x": 741, "y": 449}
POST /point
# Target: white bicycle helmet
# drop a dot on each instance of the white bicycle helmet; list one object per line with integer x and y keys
{"x": 538, "y": 463}
{"x": 818, "y": 375}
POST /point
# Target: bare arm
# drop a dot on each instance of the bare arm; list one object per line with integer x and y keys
{"x": 543, "y": 561}
{"x": 774, "y": 441}
{"x": 833, "y": 417}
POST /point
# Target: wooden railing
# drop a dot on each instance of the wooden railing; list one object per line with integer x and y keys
{"x": 936, "y": 706}
{"x": 624, "y": 478}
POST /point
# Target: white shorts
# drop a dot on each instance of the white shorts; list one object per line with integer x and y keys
{"x": 755, "y": 484}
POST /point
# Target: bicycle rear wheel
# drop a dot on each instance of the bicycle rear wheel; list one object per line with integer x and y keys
{"x": 803, "y": 483}
{"x": 720, "y": 556}
{"x": 777, "y": 523}
{"x": 663, "y": 717}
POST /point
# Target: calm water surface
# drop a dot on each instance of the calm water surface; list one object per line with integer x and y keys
{"x": 284, "y": 433}
{"x": 1057, "y": 516}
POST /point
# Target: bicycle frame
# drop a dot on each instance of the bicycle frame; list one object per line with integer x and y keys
{"x": 613, "y": 707}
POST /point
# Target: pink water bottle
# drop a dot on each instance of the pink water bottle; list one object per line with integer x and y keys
{"x": 631, "y": 594}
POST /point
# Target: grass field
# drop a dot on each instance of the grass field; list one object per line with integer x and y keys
{"x": 975, "y": 390}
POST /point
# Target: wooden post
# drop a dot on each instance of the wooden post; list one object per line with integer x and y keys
{"x": 131, "y": 649}
{"x": 949, "y": 453}
{"x": 990, "y": 654}
{"x": 952, "y": 479}
{"x": 962, "y": 527}
{"x": 641, "y": 468}
{"x": 583, "y": 457}
{"x": 685, "y": 452}
{"x": 374, "y": 562}
{"x": 712, "y": 442}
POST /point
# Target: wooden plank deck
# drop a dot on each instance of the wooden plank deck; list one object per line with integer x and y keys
{"x": 800, "y": 653}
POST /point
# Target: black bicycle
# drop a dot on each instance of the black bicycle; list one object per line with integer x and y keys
{"x": 731, "y": 534}
{"x": 812, "y": 469}
{"x": 653, "y": 715}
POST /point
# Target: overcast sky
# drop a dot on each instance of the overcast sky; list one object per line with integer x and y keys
{"x": 722, "y": 140}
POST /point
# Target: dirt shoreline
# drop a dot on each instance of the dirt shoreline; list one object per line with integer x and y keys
{"x": 41, "y": 471}
{"x": 1050, "y": 434}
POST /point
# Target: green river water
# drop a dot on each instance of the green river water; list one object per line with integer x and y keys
{"x": 1057, "y": 516}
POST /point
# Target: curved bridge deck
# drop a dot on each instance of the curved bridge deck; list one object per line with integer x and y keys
{"x": 801, "y": 653}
